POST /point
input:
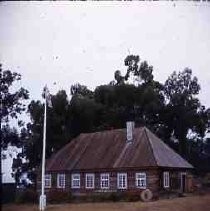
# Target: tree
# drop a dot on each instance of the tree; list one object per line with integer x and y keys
{"x": 11, "y": 105}
{"x": 142, "y": 72}
{"x": 170, "y": 110}
{"x": 117, "y": 76}
{"x": 78, "y": 89}
{"x": 117, "y": 103}
{"x": 9, "y": 135}
{"x": 147, "y": 94}
{"x": 58, "y": 122}
{"x": 84, "y": 112}
{"x": 64, "y": 120}
{"x": 58, "y": 132}
{"x": 135, "y": 96}
{"x": 183, "y": 109}
{"x": 142, "y": 104}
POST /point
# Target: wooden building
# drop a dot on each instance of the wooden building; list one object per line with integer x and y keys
{"x": 121, "y": 160}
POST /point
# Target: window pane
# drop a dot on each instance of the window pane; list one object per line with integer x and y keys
{"x": 105, "y": 181}
{"x": 61, "y": 181}
{"x": 166, "y": 179}
{"x": 47, "y": 181}
{"x": 141, "y": 180}
{"x": 89, "y": 180}
{"x": 75, "y": 183}
{"x": 122, "y": 180}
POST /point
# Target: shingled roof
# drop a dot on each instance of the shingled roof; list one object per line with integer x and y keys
{"x": 109, "y": 149}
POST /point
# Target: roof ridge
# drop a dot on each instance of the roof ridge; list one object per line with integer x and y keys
{"x": 121, "y": 155}
{"x": 107, "y": 131}
{"x": 150, "y": 144}
{"x": 141, "y": 129}
{"x": 166, "y": 146}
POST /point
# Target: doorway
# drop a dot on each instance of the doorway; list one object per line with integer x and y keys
{"x": 183, "y": 181}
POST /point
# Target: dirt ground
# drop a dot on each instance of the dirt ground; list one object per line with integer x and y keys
{"x": 190, "y": 203}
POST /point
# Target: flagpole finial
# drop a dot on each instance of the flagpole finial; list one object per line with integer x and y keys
{"x": 47, "y": 96}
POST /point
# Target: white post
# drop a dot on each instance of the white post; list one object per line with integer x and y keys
{"x": 42, "y": 199}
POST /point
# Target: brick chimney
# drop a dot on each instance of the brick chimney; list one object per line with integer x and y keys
{"x": 130, "y": 128}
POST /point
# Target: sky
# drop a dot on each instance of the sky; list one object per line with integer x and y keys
{"x": 63, "y": 43}
{"x": 10, "y": 154}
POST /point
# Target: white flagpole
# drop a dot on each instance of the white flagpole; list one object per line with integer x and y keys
{"x": 42, "y": 200}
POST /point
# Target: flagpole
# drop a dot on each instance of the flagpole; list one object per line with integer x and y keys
{"x": 42, "y": 202}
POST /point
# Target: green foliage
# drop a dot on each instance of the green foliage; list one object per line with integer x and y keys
{"x": 58, "y": 121}
{"x": 78, "y": 89}
{"x": 142, "y": 72}
{"x": 132, "y": 196}
{"x": 170, "y": 110}
{"x": 84, "y": 114}
{"x": 183, "y": 110}
{"x": 206, "y": 180}
{"x": 113, "y": 196}
{"x": 58, "y": 132}
{"x": 118, "y": 77}
{"x": 181, "y": 86}
{"x": 26, "y": 196}
{"x": 58, "y": 196}
{"x": 11, "y": 104}
{"x": 118, "y": 104}
{"x": 9, "y": 135}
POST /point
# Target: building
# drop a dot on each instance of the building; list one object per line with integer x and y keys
{"x": 121, "y": 160}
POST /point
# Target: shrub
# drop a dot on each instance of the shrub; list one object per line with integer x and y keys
{"x": 26, "y": 196}
{"x": 131, "y": 196}
{"x": 114, "y": 197}
{"x": 206, "y": 180}
{"x": 98, "y": 197}
{"x": 58, "y": 196}
{"x": 180, "y": 194}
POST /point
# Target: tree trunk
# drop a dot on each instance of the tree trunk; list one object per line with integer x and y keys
{"x": 183, "y": 146}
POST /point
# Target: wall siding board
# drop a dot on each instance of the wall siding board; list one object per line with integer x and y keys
{"x": 154, "y": 180}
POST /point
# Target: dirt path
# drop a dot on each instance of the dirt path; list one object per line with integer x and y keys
{"x": 194, "y": 203}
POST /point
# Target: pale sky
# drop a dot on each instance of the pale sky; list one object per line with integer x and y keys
{"x": 85, "y": 42}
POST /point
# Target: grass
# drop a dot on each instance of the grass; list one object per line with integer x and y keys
{"x": 191, "y": 203}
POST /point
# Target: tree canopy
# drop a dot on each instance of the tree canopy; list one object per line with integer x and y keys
{"x": 11, "y": 102}
{"x": 172, "y": 110}
{"x": 11, "y": 105}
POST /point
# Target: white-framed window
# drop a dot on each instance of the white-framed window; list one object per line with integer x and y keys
{"x": 75, "y": 180}
{"x": 105, "y": 181}
{"x": 141, "y": 180}
{"x": 61, "y": 180}
{"x": 122, "y": 180}
{"x": 89, "y": 181}
{"x": 47, "y": 181}
{"x": 166, "y": 179}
